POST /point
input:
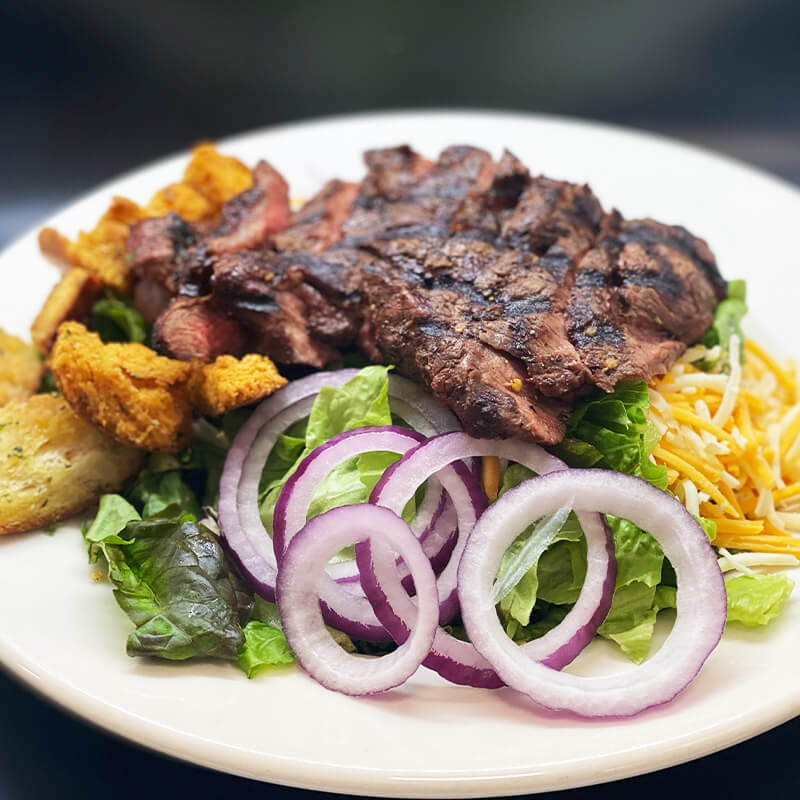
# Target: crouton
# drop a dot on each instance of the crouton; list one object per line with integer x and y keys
{"x": 20, "y": 368}
{"x": 216, "y": 177}
{"x": 185, "y": 201}
{"x": 71, "y": 298}
{"x": 229, "y": 383}
{"x": 102, "y": 250}
{"x": 55, "y": 247}
{"x": 210, "y": 179}
{"x": 126, "y": 390}
{"x": 53, "y": 464}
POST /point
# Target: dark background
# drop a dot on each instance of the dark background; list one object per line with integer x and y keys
{"x": 90, "y": 88}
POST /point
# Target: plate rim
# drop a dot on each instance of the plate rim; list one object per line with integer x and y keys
{"x": 162, "y": 739}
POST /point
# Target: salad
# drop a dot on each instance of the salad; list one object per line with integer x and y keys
{"x": 208, "y": 549}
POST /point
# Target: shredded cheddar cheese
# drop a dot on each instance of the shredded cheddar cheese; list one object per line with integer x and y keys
{"x": 731, "y": 446}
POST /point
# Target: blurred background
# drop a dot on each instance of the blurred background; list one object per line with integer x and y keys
{"x": 91, "y": 88}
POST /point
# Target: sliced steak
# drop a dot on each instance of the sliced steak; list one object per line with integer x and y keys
{"x": 191, "y": 328}
{"x": 508, "y": 295}
{"x": 638, "y": 298}
{"x": 247, "y": 220}
{"x": 318, "y": 224}
{"x": 170, "y": 254}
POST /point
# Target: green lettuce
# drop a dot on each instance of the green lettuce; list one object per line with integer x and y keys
{"x": 263, "y": 647}
{"x": 632, "y": 616}
{"x": 172, "y": 578}
{"x": 362, "y": 401}
{"x": 613, "y": 431}
{"x": 116, "y": 320}
{"x": 757, "y": 599}
{"x": 727, "y": 321}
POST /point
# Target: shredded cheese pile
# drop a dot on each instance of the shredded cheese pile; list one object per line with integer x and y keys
{"x": 731, "y": 446}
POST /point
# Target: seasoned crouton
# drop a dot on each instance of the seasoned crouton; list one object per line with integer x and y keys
{"x": 230, "y": 383}
{"x": 71, "y": 298}
{"x": 102, "y": 251}
{"x": 20, "y": 368}
{"x": 53, "y": 464}
{"x": 126, "y": 390}
{"x": 185, "y": 201}
{"x": 216, "y": 177}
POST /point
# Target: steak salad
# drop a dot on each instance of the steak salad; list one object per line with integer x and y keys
{"x": 537, "y": 418}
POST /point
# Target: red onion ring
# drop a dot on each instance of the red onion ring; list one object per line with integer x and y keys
{"x": 438, "y": 536}
{"x": 239, "y": 515}
{"x": 344, "y": 606}
{"x": 701, "y": 598}
{"x": 456, "y": 660}
{"x": 303, "y": 569}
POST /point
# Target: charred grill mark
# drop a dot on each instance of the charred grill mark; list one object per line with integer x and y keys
{"x": 434, "y": 329}
{"x": 532, "y": 305}
{"x": 591, "y": 279}
{"x": 647, "y": 232}
{"x": 585, "y": 328}
{"x": 182, "y": 234}
{"x": 446, "y": 282}
{"x": 663, "y": 280}
{"x": 557, "y": 264}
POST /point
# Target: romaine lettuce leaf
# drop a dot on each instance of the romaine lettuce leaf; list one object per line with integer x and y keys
{"x": 113, "y": 515}
{"x": 757, "y": 599}
{"x": 727, "y": 320}
{"x": 362, "y": 401}
{"x": 632, "y": 616}
{"x": 613, "y": 431}
{"x": 263, "y": 647}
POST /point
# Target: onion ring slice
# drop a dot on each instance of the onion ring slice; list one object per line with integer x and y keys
{"x": 701, "y": 598}
{"x": 302, "y": 570}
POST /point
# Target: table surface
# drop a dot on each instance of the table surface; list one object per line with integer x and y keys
{"x": 42, "y": 748}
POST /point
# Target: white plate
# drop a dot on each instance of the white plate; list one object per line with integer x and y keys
{"x": 64, "y": 635}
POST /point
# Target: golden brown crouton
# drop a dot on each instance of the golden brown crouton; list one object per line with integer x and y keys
{"x": 126, "y": 390}
{"x": 55, "y": 246}
{"x": 230, "y": 383}
{"x": 216, "y": 177}
{"x": 53, "y": 464}
{"x": 20, "y": 368}
{"x": 102, "y": 251}
{"x": 183, "y": 200}
{"x": 71, "y": 298}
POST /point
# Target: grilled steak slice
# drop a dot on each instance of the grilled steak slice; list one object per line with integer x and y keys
{"x": 191, "y": 328}
{"x": 247, "y": 220}
{"x": 645, "y": 291}
{"x": 318, "y": 224}
{"x": 177, "y": 257}
{"x": 297, "y": 307}
{"x": 158, "y": 247}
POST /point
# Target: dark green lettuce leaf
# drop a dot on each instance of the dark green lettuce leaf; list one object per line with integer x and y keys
{"x": 172, "y": 578}
{"x": 116, "y": 320}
